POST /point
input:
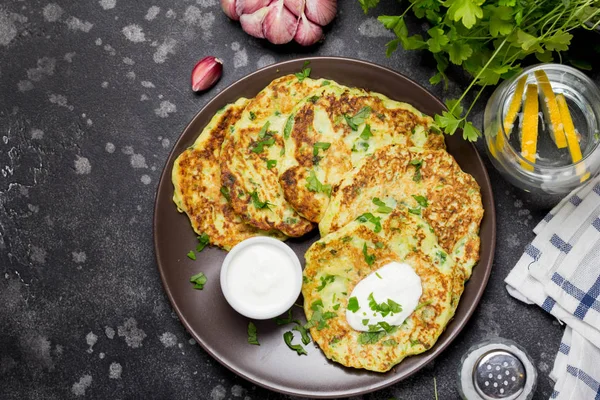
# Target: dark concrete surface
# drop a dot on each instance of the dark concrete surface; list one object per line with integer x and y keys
{"x": 93, "y": 96}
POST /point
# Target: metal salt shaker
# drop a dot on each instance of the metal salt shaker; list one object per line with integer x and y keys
{"x": 497, "y": 369}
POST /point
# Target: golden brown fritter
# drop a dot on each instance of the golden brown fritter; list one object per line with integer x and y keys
{"x": 336, "y": 263}
{"x": 196, "y": 179}
{"x": 430, "y": 182}
{"x": 333, "y": 131}
{"x": 251, "y": 156}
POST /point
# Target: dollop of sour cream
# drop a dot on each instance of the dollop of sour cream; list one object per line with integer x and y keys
{"x": 391, "y": 285}
{"x": 261, "y": 277}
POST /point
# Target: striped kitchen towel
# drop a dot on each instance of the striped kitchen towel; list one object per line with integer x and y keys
{"x": 560, "y": 271}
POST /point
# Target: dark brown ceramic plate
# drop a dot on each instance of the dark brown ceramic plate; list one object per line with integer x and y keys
{"x": 221, "y": 331}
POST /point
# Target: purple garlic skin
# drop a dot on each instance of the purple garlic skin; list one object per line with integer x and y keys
{"x": 279, "y": 25}
{"x": 308, "y": 33}
{"x": 281, "y": 21}
{"x": 228, "y": 7}
{"x": 206, "y": 73}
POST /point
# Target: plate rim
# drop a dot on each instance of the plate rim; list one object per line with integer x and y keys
{"x": 437, "y": 348}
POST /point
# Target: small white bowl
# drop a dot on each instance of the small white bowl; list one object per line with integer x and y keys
{"x": 261, "y": 277}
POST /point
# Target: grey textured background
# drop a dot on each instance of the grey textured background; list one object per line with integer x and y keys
{"x": 93, "y": 96}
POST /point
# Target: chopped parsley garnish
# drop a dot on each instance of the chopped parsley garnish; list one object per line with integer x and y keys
{"x": 389, "y": 306}
{"x": 320, "y": 145}
{"x": 225, "y": 192}
{"x": 303, "y": 332}
{"x": 382, "y": 207}
{"x": 414, "y": 342}
{"x": 203, "y": 241}
{"x": 358, "y": 118}
{"x": 417, "y": 164}
{"x": 252, "y": 334}
{"x": 346, "y": 239}
{"x": 305, "y": 73}
{"x": 360, "y": 146}
{"x": 257, "y": 203}
{"x": 324, "y": 281}
{"x": 263, "y": 131}
{"x": 288, "y": 127}
{"x": 271, "y": 163}
{"x": 390, "y": 342}
{"x": 379, "y": 245}
{"x": 370, "y": 337}
{"x": 422, "y": 200}
{"x": 316, "y": 304}
{"x": 325, "y": 83}
{"x": 368, "y": 217}
{"x": 287, "y": 338}
{"x": 336, "y": 306}
{"x": 314, "y": 185}
{"x": 291, "y": 220}
{"x": 191, "y": 255}
{"x": 286, "y": 320}
{"x": 314, "y": 99}
{"x": 387, "y": 328}
{"x": 366, "y": 133}
{"x": 353, "y": 304}
{"x": 260, "y": 145}
{"x": 365, "y": 321}
{"x": 252, "y": 116}
{"x": 369, "y": 258}
{"x": 198, "y": 280}
{"x": 416, "y": 210}
{"x": 377, "y": 274}
{"x": 305, "y": 279}
{"x": 441, "y": 255}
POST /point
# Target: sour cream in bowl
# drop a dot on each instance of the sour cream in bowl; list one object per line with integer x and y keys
{"x": 261, "y": 277}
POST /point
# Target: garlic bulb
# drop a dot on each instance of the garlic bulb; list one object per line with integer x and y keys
{"x": 281, "y": 21}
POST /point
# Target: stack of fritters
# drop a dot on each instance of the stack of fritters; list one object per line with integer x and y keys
{"x": 372, "y": 172}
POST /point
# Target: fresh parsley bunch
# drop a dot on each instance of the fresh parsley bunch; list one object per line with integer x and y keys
{"x": 489, "y": 39}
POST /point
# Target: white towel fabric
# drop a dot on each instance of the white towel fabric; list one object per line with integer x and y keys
{"x": 560, "y": 272}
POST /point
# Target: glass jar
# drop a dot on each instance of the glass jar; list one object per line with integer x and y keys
{"x": 547, "y": 169}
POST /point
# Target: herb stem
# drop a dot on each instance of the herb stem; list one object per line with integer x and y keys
{"x": 474, "y": 81}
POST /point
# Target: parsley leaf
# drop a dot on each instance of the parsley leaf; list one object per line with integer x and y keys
{"x": 260, "y": 145}
{"x": 417, "y": 164}
{"x": 263, "y": 131}
{"x": 367, "y": 4}
{"x": 353, "y": 304}
{"x": 468, "y": 11}
{"x": 305, "y": 73}
{"x": 191, "y": 255}
{"x": 316, "y": 304}
{"x": 369, "y": 258}
{"x": 366, "y": 133}
{"x": 314, "y": 185}
{"x": 441, "y": 255}
{"x": 382, "y": 207}
{"x": 252, "y": 334}
{"x": 320, "y": 145}
{"x": 257, "y": 203}
{"x": 421, "y": 200}
{"x": 303, "y": 333}
{"x": 390, "y": 342}
{"x": 359, "y": 118}
{"x": 203, "y": 241}
{"x": 288, "y": 126}
{"x": 252, "y": 116}
{"x": 286, "y": 320}
{"x": 198, "y": 280}
{"x": 225, "y": 193}
{"x": 368, "y": 217}
{"x": 326, "y": 83}
{"x": 271, "y": 163}
{"x": 416, "y": 210}
{"x": 287, "y": 338}
{"x": 324, "y": 281}
{"x": 389, "y": 306}
{"x": 370, "y": 337}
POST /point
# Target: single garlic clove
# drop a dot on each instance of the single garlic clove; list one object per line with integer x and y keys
{"x": 279, "y": 25}
{"x": 295, "y": 6}
{"x": 206, "y": 73}
{"x": 252, "y": 24}
{"x": 308, "y": 33}
{"x": 320, "y": 12}
{"x": 228, "y": 7}
{"x": 249, "y": 6}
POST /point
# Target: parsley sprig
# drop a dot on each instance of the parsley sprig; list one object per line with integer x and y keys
{"x": 488, "y": 39}
{"x": 305, "y": 73}
{"x": 313, "y": 184}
